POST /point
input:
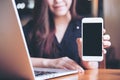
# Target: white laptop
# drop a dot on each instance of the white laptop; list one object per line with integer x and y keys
{"x": 14, "y": 56}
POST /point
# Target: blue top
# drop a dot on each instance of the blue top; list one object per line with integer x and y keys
{"x": 67, "y": 47}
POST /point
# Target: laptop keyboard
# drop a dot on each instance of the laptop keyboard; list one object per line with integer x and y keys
{"x": 38, "y": 73}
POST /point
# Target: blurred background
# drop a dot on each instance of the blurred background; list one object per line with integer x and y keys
{"x": 109, "y": 10}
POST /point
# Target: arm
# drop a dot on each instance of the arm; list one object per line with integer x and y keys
{"x": 40, "y": 62}
{"x": 62, "y": 63}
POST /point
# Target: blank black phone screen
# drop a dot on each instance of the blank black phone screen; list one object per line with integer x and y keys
{"x": 92, "y": 39}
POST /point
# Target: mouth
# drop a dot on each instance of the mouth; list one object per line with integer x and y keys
{"x": 59, "y": 6}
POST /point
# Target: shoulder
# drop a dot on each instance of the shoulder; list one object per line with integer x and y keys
{"x": 28, "y": 28}
{"x": 78, "y": 20}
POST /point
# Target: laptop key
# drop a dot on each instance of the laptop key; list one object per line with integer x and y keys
{"x": 38, "y": 73}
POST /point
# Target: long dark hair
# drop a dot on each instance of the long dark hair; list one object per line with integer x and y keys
{"x": 44, "y": 28}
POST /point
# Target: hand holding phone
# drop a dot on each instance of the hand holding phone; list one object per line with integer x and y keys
{"x": 92, "y": 39}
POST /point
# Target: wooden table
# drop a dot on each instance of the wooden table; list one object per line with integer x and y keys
{"x": 100, "y": 74}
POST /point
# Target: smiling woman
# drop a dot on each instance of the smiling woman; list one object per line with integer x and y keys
{"x": 52, "y": 33}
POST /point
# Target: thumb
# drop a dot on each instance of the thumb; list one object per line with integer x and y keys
{"x": 79, "y": 44}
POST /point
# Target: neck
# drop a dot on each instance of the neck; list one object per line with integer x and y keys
{"x": 62, "y": 20}
{"x": 61, "y": 24}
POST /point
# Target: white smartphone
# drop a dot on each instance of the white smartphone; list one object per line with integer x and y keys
{"x": 92, "y": 39}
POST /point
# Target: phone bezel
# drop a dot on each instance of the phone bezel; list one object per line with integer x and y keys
{"x": 91, "y": 20}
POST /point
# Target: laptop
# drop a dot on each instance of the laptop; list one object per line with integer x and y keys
{"x": 15, "y": 60}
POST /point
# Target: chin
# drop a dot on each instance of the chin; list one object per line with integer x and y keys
{"x": 61, "y": 14}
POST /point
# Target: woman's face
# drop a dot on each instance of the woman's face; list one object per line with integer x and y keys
{"x": 59, "y": 7}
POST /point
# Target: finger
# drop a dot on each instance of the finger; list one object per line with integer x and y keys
{"x": 104, "y": 31}
{"x": 65, "y": 62}
{"x": 69, "y": 66}
{"x": 72, "y": 65}
{"x": 104, "y": 51}
{"x": 106, "y": 37}
{"x": 106, "y": 44}
{"x": 77, "y": 67}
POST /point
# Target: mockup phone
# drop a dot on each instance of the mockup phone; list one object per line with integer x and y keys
{"x": 92, "y": 39}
